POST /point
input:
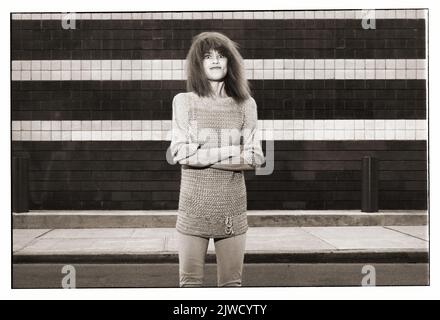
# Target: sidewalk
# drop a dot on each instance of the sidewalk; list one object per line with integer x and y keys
{"x": 274, "y": 257}
{"x": 264, "y": 244}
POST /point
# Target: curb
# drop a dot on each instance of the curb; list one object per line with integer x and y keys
{"x": 345, "y": 256}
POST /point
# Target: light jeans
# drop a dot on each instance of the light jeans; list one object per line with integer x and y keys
{"x": 192, "y": 253}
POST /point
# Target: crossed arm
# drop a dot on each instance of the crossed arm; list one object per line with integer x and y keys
{"x": 234, "y": 163}
{"x": 251, "y": 154}
{"x": 233, "y": 167}
{"x": 232, "y": 158}
{"x": 213, "y": 158}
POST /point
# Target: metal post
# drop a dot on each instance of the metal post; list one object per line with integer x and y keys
{"x": 370, "y": 184}
{"x": 20, "y": 183}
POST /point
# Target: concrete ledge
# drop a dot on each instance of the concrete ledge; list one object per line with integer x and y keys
{"x": 76, "y": 219}
{"x": 338, "y": 256}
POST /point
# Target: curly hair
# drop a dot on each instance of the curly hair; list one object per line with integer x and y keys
{"x": 236, "y": 84}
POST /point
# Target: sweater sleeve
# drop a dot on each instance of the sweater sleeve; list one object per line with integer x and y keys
{"x": 183, "y": 148}
{"x": 252, "y": 152}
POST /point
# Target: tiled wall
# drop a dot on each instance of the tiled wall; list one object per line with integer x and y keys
{"x": 158, "y": 130}
{"x": 92, "y": 105}
{"x": 257, "y": 69}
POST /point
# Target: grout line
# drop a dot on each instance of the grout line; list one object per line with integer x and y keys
{"x": 330, "y": 244}
{"x": 32, "y": 241}
{"x": 43, "y": 234}
{"x": 165, "y": 243}
{"x": 402, "y": 232}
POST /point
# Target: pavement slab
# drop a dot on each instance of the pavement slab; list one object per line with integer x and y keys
{"x": 420, "y": 232}
{"x": 89, "y": 233}
{"x": 344, "y": 238}
{"x": 23, "y": 237}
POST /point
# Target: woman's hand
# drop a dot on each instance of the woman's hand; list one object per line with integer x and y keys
{"x": 234, "y": 163}
{"x": 232, "y": 167}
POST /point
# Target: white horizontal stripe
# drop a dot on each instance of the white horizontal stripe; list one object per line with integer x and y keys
{"x": 160, "y": 130}
{"x": 301, "y": 69}
{"x": 235, "y": 15}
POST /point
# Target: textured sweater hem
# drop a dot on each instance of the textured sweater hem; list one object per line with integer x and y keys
{"x": 213, "y": 228}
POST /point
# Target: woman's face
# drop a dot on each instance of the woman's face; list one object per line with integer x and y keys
{"x": 215, "y": 65}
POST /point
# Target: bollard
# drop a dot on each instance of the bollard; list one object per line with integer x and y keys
{"x": 20, "y": 183}
{"x": 370, "y": 184}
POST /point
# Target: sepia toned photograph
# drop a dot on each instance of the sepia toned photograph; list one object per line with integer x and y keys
{"x": 253, "y": 148}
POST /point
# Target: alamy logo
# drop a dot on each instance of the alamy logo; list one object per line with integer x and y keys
{"x": 369, "y": 280}
{"x": 68, "y": 281}
{"x": 68, "y": 21}
{"x": 369, "y": 19}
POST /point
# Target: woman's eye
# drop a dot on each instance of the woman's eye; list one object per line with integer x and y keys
{"x": 209, "y": 56}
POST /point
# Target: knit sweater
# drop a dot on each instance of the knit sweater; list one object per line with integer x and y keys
{"x": 207, "y": 131}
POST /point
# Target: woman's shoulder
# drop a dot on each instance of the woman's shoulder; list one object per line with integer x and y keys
{"x": 249, "y": 103}
{"x": 179, "y": 97}
{"x": 185, "y": 95}
{"x": 183, "y": 99}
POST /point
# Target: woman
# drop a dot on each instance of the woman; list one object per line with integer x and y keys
{"x": 208, "y": 122}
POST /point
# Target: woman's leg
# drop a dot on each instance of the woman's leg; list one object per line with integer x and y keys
{"x": 192, "y": 253}
{"x": 230, "y": 256}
